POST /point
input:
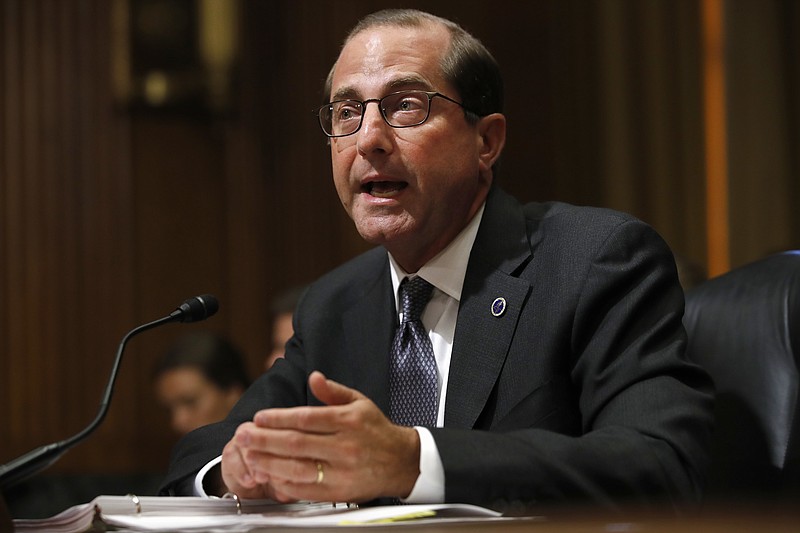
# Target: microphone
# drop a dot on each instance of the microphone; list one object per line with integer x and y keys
{"x": 196, "y": 309}
{"x": 192, "y": 310}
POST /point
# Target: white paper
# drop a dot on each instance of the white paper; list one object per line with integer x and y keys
{"x": 211, "y": 515}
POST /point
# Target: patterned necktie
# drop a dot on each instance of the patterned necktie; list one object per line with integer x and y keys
{"x": 412, "y": 377}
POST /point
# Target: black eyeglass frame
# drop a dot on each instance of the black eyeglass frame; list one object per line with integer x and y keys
{"x": 363, "y": 103}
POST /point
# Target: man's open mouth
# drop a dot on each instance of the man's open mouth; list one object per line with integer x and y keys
{"x": 384, "y": 189}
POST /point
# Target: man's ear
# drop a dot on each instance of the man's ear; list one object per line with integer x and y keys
{"x": 492, "y": 131}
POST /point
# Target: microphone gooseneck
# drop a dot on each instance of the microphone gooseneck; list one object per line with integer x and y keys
{"x": 192, "y": 310}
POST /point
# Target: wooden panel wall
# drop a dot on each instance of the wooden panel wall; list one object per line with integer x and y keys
{"x": 109, "y": 217}
{"x": 67, "y": 268}
{"x": 763, "y": 58}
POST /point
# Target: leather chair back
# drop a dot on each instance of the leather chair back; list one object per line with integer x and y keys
{"x": 744, "y": 328}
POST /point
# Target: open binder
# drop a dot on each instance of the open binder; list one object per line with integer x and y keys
{"x": 154, "y": 513}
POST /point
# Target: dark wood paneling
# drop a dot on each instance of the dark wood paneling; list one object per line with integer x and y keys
{"x": 67, "y": 218}
{"x": 763, "y": 133}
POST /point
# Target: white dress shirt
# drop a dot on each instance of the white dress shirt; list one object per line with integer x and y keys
{"x": 446, "y": 273}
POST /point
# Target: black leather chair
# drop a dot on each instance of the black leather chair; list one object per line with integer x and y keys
{"x": 744, "y": 328}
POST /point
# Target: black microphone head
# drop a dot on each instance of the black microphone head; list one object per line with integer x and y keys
{"x": 197, "y": 308}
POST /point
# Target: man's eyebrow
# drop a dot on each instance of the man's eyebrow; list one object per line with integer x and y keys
{"x": 344, "y": 93}
{"x": 414, "y": 82}
{"x": 398, "y": 84}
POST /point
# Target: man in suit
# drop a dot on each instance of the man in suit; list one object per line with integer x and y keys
{"x": 556, "y": 331}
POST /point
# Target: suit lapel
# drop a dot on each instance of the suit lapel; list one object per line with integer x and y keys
{"x": 369, "y": 325}
{"x": 482, "y": 339}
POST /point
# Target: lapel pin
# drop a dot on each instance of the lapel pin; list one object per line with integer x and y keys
{"x": 498, "y": 306}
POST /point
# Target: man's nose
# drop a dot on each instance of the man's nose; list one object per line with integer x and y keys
{"x": 374, "y": 132}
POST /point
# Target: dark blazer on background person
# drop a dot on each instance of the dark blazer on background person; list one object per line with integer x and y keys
{"x": 581, "y": 383}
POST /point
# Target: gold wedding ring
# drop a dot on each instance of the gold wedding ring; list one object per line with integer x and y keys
{"x": 320, "y": 473}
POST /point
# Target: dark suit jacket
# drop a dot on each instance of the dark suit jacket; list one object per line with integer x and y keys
{"x": 579, "y": 391}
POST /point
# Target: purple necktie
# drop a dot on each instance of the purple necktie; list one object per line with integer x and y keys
{"x": 412, "y": 376}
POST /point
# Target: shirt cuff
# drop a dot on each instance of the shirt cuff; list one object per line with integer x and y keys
{"x": 429, "y": 487}
{"x": 199, "y": 488}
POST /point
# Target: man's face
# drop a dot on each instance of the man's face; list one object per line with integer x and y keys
{"x": 411, "y": 189}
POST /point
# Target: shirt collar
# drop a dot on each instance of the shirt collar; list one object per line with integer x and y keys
{"x": 447, "y": 269}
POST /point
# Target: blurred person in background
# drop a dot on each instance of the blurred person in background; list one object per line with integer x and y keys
{"x": 282, "y": 309}
{"x": 198, "y": 379}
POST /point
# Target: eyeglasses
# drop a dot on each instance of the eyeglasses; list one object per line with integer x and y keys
{"x": 402, "y": 109}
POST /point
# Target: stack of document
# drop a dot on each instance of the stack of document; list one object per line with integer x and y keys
{"x": 152, "y": 513}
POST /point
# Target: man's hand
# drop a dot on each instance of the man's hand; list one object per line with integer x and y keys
{"x": 346, "y": 450}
